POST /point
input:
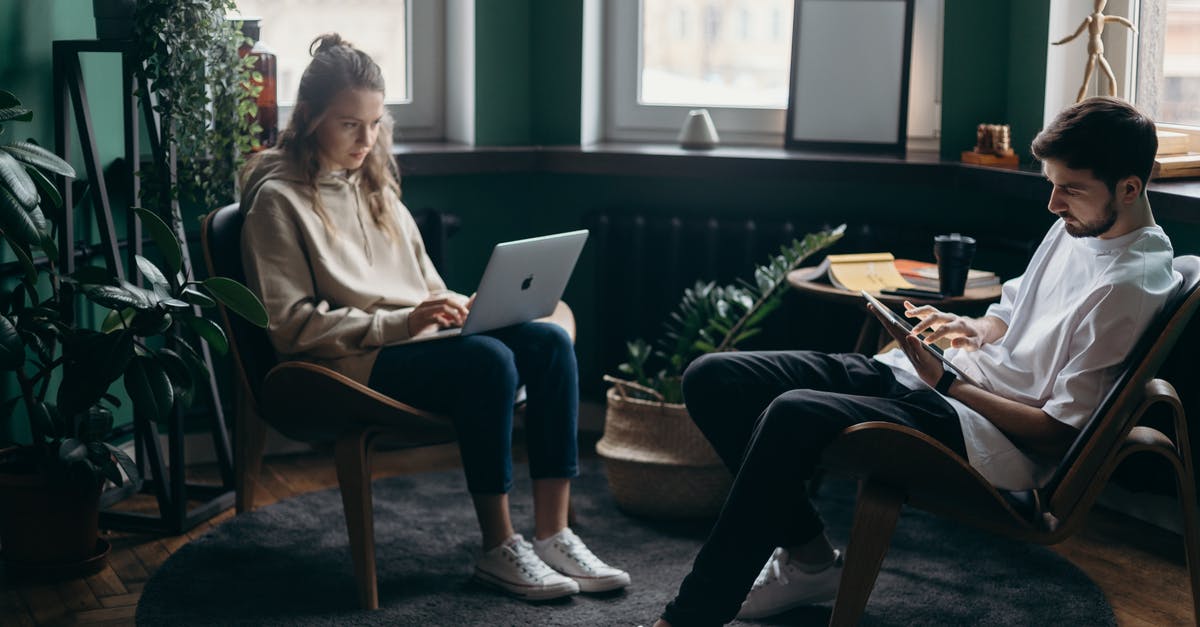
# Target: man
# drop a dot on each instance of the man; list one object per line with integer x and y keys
{"x": 1044, "y": 356}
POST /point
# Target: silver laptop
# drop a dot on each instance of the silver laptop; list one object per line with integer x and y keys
{"x": 523, "y": 281}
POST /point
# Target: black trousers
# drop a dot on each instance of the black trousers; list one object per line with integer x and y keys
{"x": 769, "y": 415}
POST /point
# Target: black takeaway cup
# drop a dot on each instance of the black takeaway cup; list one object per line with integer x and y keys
{"x": 954, "y": 253}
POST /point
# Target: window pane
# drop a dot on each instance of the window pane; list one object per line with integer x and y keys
{"x": 1179, "y": 96}
{"x": 376, "y": 27}
{"x": 730, "y": 53}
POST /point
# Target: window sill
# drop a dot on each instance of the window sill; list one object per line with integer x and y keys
{"x": 1173, "y": 200}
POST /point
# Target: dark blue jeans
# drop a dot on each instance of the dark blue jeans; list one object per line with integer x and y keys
{"x": 474, "y": 380}
{"x": 770, "y": 415}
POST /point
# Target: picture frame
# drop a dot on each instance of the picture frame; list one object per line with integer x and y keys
{"x": 848, "y": 85}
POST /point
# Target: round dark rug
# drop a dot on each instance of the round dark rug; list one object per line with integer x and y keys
{"x": 289, "y": 564}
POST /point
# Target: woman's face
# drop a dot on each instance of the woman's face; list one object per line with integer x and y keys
{"x": 349, "y": 128}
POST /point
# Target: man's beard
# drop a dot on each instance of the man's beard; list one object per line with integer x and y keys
{"x": 1097, "y": 228}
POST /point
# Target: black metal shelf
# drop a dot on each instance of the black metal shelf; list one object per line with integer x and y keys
{"x": 168, "y": 483}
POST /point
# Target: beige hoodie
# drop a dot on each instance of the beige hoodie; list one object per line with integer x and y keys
{"x": 333, "y": 298}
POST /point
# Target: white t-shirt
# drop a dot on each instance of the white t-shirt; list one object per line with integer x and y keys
{"x": 1073, "y": 318}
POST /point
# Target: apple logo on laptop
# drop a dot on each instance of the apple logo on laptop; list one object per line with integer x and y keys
{"x": 527, "y": 282}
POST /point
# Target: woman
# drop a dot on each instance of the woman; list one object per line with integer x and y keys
{"x": 340, "y": 265}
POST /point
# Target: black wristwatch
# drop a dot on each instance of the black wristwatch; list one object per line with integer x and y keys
{"x": 943, "y": 384}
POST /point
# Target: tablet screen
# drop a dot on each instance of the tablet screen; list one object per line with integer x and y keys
{"x": 907, "y": 328}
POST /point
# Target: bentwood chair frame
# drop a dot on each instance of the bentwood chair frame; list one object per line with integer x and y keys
{"x": 897, "y": 465}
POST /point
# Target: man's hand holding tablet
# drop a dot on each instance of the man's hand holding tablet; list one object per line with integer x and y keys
{"x": 927, "y": 359}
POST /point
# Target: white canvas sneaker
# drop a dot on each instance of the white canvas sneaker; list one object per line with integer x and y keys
{"x": 515, "y": 568}
{"x": 782, "y": 585}
{"x": 567, "y": 554}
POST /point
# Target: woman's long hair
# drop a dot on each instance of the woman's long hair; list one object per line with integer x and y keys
{"x": 337, "y": 66}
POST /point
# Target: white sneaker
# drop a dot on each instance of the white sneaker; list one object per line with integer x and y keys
{"x": 782, "y": 585}
{"x": 567, "y": 554}
{"x": 515, "y": 568}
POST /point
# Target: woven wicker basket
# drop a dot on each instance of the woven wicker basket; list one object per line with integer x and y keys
{"x": 658, "y": 463}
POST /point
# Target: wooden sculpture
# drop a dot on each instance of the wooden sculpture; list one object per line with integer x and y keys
{"x": 993, "y": 147}
{"x": 1094, "y": 24}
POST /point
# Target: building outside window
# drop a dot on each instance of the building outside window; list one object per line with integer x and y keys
{"x": 1179, "y": 91}
{"x": 403, "y": 36}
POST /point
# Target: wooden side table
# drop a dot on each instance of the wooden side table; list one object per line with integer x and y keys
{"x": 813, "y": 282}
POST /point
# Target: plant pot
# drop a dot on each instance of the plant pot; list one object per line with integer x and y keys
{"x": 48, "y": 530}
{"x": 658, "y": 463}
{"x": 114, "y": 18}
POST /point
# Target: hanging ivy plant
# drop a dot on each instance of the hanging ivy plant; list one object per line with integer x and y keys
{"x": 189, "y": 53}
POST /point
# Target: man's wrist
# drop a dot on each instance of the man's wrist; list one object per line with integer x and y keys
{"x": 943, "y": 384}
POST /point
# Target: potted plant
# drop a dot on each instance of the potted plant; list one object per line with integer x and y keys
{"x": 50, "y": 485}
{"x": 658, "y": 463}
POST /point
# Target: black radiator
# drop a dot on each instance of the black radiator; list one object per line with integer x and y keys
{"x": 644, "y": 262}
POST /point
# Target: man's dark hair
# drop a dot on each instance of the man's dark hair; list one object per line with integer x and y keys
{"x": 1105, "y": 135}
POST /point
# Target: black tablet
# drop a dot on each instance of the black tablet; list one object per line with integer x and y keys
{"x": 907, "y": 328}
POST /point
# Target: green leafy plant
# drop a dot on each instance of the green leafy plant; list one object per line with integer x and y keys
{"x": 47, "y": 350}
{"x": 204, "y": 93}
{"x": 712, "y": 318}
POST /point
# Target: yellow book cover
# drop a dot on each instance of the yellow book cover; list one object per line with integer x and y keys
{"x": 866, "y": 271}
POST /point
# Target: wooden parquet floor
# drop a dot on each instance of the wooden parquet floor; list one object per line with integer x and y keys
{"x": 1138, "y": 566}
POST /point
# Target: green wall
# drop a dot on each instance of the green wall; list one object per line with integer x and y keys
{"x": 993, "y": 70}
{"x": 26, "y": 63}
{"x": 528, "y": 63}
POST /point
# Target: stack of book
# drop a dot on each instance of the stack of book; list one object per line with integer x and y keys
{"x": 1174, "y": 159}
{"x": 924, "y": 274}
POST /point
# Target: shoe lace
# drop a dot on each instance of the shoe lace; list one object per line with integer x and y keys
{"x": 528, "y": 561}
{"x": 774, "y": 569}
{"x": 578, "y": 551}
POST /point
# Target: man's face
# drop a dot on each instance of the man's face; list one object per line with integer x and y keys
{"x": 1086, "y": 205}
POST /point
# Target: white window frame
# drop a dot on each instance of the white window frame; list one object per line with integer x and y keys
{"x": 1148, "y": 54}
{"x": 625, "y": 119}
{"x": 421, "y": 115}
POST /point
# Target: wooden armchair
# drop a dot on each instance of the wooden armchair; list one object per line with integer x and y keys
{"x": 310, "y": 403}
{"x": 897, "y": 465}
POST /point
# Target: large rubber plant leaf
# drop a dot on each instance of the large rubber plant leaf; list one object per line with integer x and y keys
{"x": 39, "y": 222}
{"x": 39, "y": 157}
{"x": 164, "y": 238}
{"x": 118, "y": 319}
{"x": 21, "y": 250}
{"x": 180, "y": 374}
{"x": 13, "y": 176}
{"x": 115, "y": 297}
{"x": 45, "y": 186}
{"x": 210, "y": 332}
{"x": 12, "y": 349}
{"x": 126, "y": 462}
{"x": 149, "y": 388}
{"x": 72, "y": 450}
{"x": 235, "y": 296}
{"x": 152, "y": 273}
{"x": 15, "y": 220}
{"x": 196, "y": 297}
{"x": 8, "y": 100}
{"x": 19, "y": 114}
